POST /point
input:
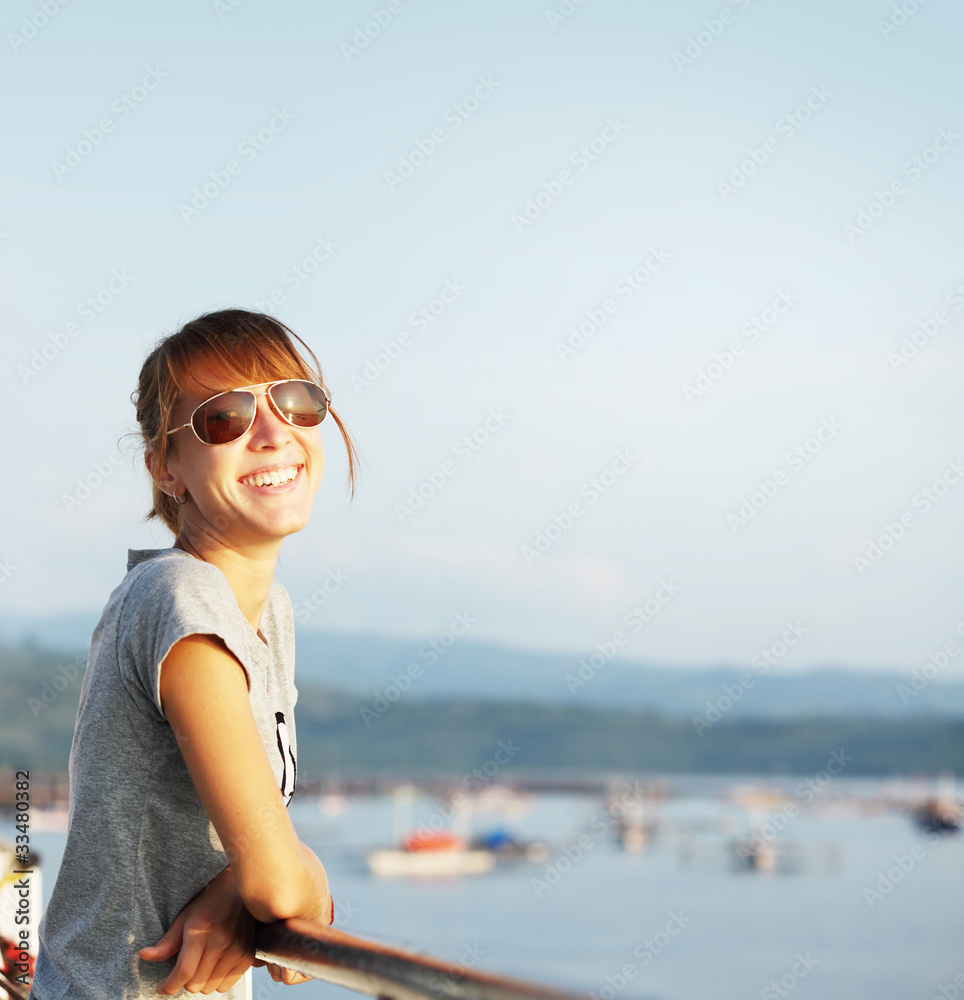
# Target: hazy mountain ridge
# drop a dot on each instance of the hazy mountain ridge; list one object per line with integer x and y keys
{"x": 366, "y": 665}
{"x": 39, "y": 691}
{"x": 363, "y": 665}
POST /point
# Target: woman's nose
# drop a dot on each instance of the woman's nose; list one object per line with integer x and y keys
{"x": 269, "y": 427}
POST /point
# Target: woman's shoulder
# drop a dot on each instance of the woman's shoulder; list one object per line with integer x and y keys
{"x": 160, "y": 568}
{"x": 163, "y": 560}
{"x": 172, "y": 578}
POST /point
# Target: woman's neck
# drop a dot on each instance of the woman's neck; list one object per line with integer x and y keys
{"x": 249, "y": 572}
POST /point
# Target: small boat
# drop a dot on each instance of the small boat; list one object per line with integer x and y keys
{"x": 755, "y": 855}
{"x": 938, "y": 816}
{"x": 430, "y": 854}
{"x": 941, "y": 812}
{"x": 508, "y": 848}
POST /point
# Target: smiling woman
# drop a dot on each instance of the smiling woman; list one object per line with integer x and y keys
{"x": 184, "y": 756}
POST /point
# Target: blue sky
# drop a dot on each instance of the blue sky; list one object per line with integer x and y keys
{"x": 814, "y": 420}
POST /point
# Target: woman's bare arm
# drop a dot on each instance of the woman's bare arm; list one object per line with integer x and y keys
{"x": 205, "y": 698}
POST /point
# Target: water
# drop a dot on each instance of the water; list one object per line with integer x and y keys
{"x": 676, "y": 921}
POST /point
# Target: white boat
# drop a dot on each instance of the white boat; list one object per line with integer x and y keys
{"x": 395, "y": 862}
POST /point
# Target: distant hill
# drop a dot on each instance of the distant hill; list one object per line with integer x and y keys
{"x": 369, "y": 732}
{"x": 364, "y": 663}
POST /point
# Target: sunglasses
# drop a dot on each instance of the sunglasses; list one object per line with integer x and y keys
{"x": 229, "y": 415}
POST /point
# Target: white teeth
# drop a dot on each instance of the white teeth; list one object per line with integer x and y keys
{"x": 276, "y": 477}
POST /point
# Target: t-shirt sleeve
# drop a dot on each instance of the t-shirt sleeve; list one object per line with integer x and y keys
{"x": 171, "y": 599}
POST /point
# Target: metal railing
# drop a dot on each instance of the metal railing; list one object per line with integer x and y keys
{"x": 383, "y": 971}
{"x": 376, "y": 969}
{"x": 10, "y": 988}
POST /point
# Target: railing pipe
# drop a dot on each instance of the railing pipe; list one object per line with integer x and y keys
{"x": 383, "y": 971}
{"x": 11, "y": 988}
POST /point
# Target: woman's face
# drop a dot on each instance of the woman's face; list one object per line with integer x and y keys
{"x": 221, "y": 481}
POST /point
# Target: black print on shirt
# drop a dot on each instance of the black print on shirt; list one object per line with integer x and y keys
{"x": 289, "y": 774}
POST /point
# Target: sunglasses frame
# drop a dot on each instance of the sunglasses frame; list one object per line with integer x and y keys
{"x": 274, "y": 406}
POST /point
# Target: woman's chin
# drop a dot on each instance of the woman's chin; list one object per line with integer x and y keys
{"x": 245, "y": 526}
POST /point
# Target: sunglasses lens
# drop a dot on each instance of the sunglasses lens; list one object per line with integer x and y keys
{"x": 302, "y": 404}
{"x": 225, "y": 418}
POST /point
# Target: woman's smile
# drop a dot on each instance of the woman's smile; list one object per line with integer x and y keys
{"x": 273, "y": 478}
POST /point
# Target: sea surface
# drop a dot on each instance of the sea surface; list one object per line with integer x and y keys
{"x": 862, "y": 905}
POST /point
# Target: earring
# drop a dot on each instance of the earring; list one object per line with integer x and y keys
{"x": 180, "y": 503}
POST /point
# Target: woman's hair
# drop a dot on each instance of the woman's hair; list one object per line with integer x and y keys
{"x": 248, "y": 348}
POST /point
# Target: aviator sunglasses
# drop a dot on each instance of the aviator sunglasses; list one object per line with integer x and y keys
{"x": 229, "y": 415}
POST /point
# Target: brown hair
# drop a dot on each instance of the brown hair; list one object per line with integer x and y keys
{"x": 250, "y": 347}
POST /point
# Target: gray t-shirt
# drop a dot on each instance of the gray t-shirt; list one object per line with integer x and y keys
{"x": 140, "y": 843}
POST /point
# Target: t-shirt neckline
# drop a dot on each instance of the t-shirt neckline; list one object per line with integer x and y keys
{"x": 137, "y": 556}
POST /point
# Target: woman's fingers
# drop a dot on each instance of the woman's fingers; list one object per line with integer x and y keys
{"x": 206, "y": 957}
{"x": 168, "y": 944}
{"x": 186, "y": 973}
{"x": 287, "y": 976}
{"x": 231, "y": 966}
{"x": 229, "y": 978}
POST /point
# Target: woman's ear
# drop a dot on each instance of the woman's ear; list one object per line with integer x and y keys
{"x": 162, "y": 476}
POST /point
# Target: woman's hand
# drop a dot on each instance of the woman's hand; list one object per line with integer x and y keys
{"x": 214, "y": 936}
{"x": 281, "y": 975}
